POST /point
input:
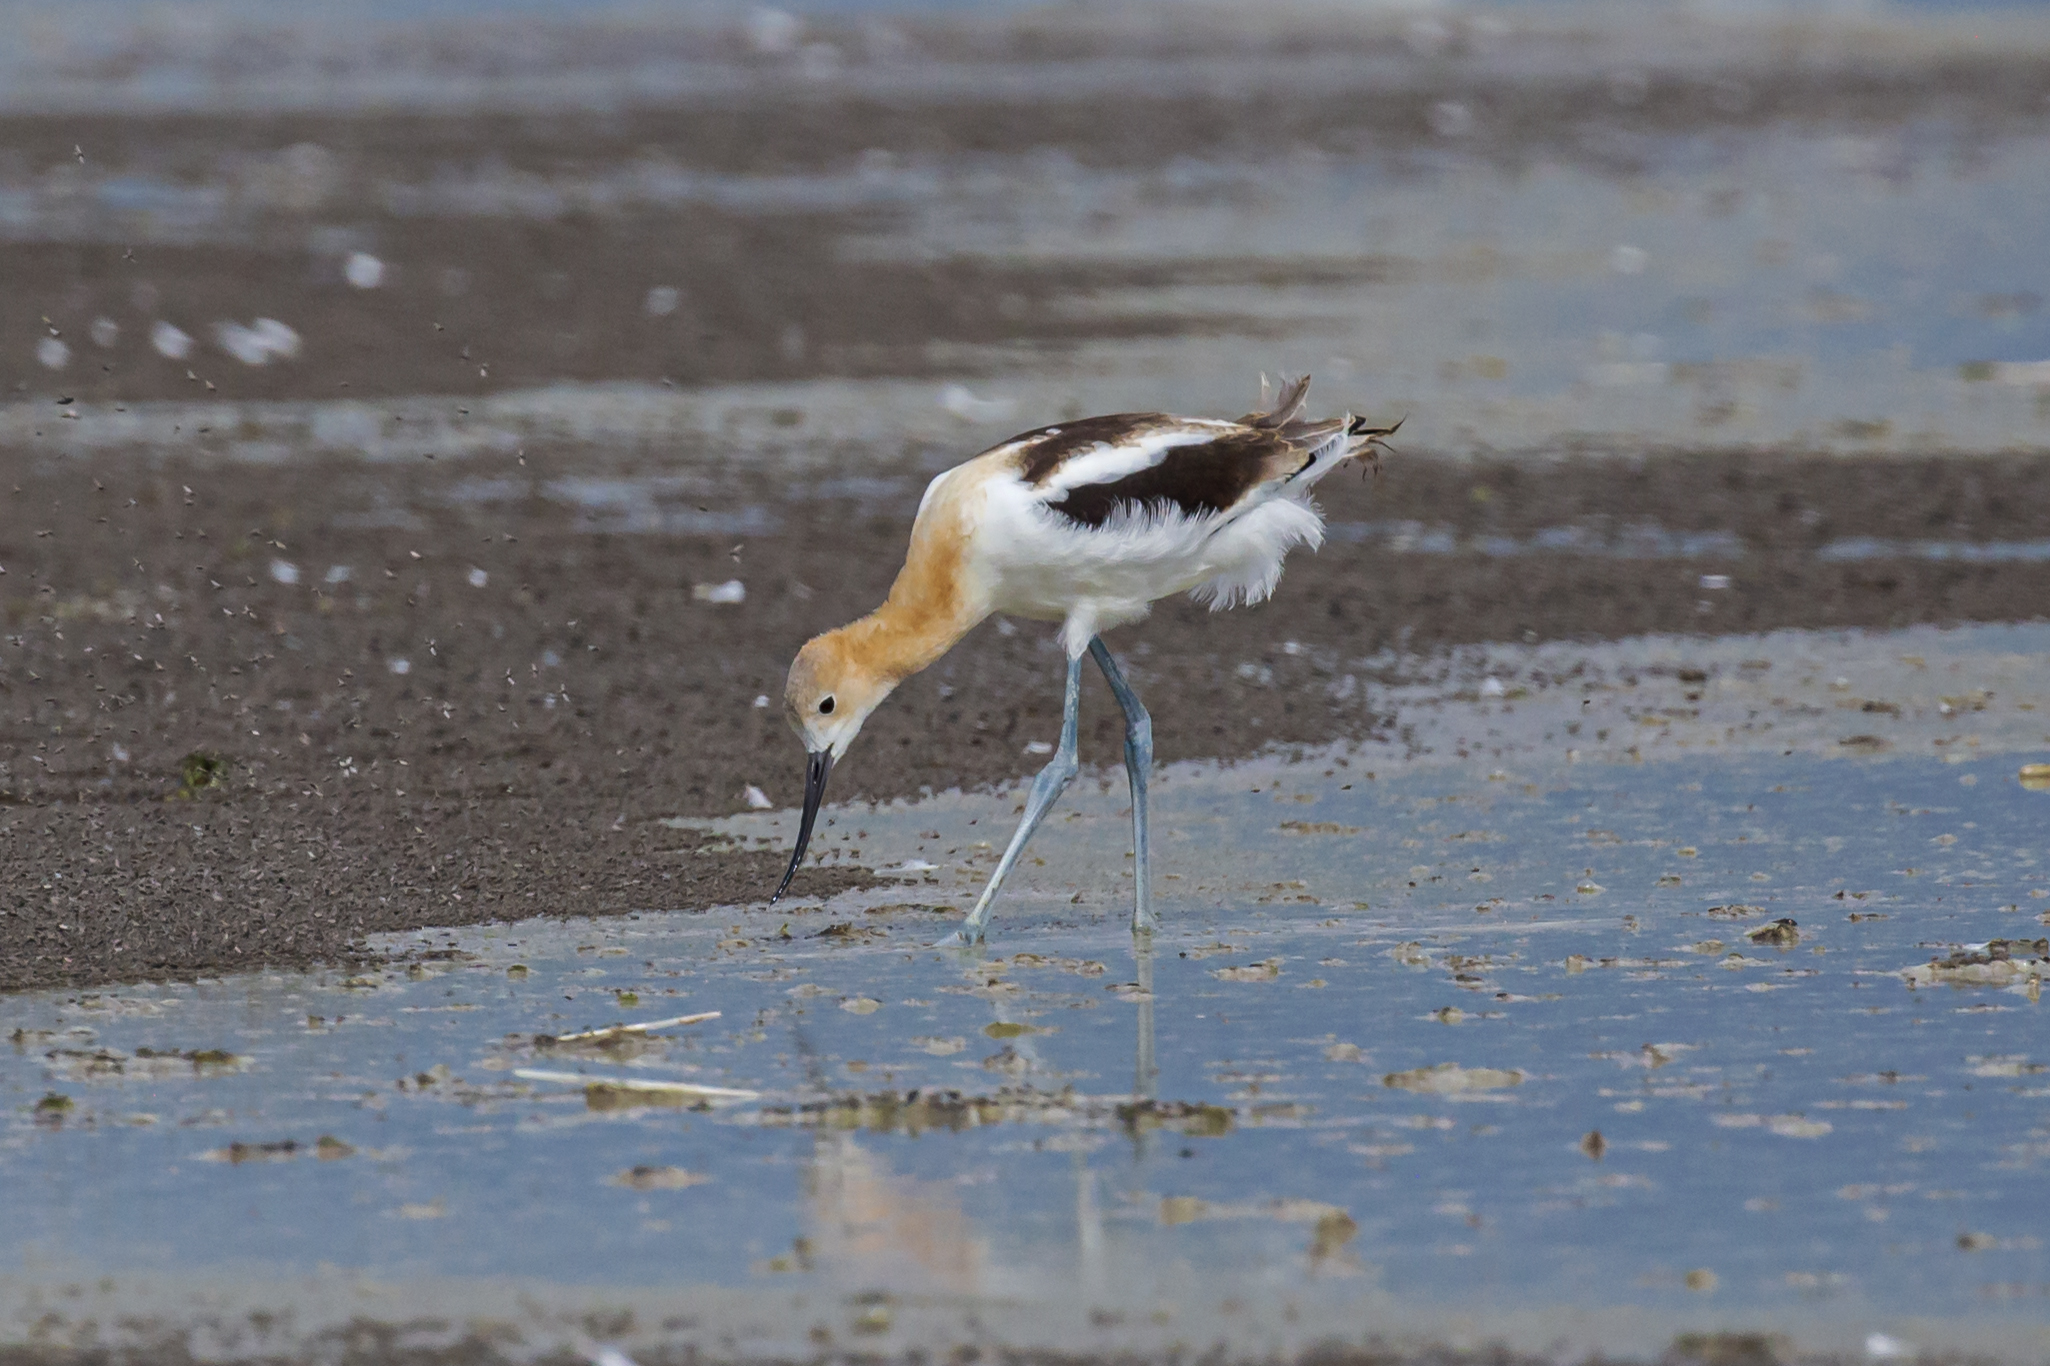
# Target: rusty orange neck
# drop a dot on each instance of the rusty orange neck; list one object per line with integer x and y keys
{"x": 930, "y": 607}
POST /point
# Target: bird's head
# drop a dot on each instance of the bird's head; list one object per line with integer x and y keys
{"x": 830, "y": 692}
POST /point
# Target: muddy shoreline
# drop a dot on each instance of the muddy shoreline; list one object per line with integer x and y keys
{"x": 270, "y": 684}
{"x": 491, "y": 713}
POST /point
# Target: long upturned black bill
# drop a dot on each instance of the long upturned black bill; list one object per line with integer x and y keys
{"x": 818, "y": 767}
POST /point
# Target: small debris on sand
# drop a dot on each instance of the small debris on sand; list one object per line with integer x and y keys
{"x": 1997, "y": 963}
{"x": 1449, "y": 1078}
{"x": 645, "y": 1178}
{"x": 1781, "y": 933}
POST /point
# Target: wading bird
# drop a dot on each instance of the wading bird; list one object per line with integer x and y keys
{"x": 1086, "y": 523}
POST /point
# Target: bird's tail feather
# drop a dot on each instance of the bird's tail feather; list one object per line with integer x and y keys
{"x": 1331, "y": 443}
{"x": 1279, "y": 409}
{"x": 1369, "y": 442}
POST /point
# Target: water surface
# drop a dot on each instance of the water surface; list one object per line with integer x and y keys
{"x": 1516, "y": 1042}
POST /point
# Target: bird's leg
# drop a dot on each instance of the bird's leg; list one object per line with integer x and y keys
{"x": 1046, "y": 790}
{"x": 1138, "y": 764}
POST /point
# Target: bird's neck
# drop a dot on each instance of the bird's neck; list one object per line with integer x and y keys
{"x": 930, "y": 607}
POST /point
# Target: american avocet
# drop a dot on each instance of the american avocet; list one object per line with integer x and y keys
{"x": 1087, "y": 523}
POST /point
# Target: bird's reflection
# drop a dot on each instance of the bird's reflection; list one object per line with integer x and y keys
{"x": 867, "y": 1225}
{"x": 1091, "y": 1262}
{"x": 873, "y": 1225}
{"x": 870, "y": 1226}
{"x": 1146, "y": 1072}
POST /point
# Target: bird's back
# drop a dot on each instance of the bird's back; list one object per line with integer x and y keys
{"x": 1115, "y": 512}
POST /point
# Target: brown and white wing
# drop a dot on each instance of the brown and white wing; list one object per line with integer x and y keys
{"x": 1151, "y": 464}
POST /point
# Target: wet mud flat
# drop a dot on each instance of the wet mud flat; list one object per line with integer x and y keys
{"x": 310, "y": 701}
{"x": 1528, "y": 229}
{"x": 385, "y": 423}
{"x": 1601, "y": 922}
{"x": 1433, "y": 208}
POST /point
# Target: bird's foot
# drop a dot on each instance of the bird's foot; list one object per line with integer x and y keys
{"x": 959, "y": 939}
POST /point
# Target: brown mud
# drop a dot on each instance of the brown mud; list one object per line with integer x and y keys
{"x": 549, "y": 717}
{"x": 203, "y": 767}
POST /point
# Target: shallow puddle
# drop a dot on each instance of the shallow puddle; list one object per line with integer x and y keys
{"x": 1432, "y": 1037}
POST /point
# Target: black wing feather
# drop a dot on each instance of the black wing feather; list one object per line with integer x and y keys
{"x": 1198, "y": 479}
{"x": 1048, "y": 448}
{"x": 1195, "y": 480}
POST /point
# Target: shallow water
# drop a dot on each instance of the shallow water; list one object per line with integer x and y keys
{"x": 1354, "y": 1083}
{"x": 1358, "y": 1069}
{"x": 1863, "y": 294}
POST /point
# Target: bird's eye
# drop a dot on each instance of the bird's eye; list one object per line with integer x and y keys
{"x": 826, "y": 706}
